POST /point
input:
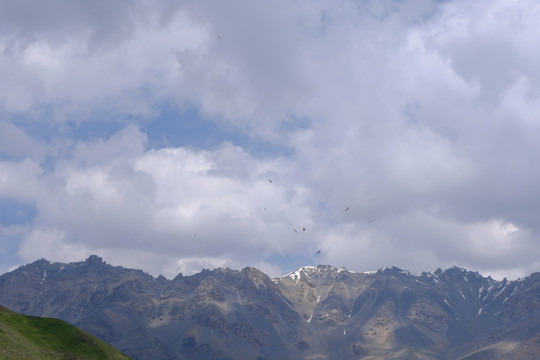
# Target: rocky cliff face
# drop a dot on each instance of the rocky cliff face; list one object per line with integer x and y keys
{"x": 313, "y": 313}
{"x": 394, "y": 314}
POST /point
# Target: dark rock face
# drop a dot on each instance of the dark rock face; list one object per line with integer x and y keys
{"x": 315, "y": 312}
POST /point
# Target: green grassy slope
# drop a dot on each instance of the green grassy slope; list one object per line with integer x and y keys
{"x": 28, "y": 337}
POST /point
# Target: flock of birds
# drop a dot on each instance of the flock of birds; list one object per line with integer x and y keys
{"x": 294, "y": 229}
{"x": 271, "y": 182}
{"x": 304, "y": 229}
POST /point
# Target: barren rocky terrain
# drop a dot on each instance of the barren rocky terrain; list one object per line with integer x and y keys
{"x": 317, "y": 312}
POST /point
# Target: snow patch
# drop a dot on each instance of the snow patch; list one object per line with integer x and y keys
{"x": 500, "y": 292}
{"x": 44, "y": 277}
{"x": 514, "y": 291}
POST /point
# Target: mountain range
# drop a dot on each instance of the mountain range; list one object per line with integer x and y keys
{"x": 317, "y": 312}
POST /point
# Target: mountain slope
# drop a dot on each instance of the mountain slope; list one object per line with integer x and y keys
{"x": 313, "y": 313}
{"x": 394, "y": 314}
{"x": 25, "y": 337}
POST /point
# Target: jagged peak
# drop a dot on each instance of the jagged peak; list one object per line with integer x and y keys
{"x": 224, "y": 269}
{"x": 37, "y": 262}
{"x": 394, "y": 269}
{"x": 319, "y": 270}
{"x": 251, "y": 270}
{"x": 178, "y": 276}
{"x": 256, "y": 275}
{"x": 455, "y": 268}
{"x": 94, "y": 259}
{"x": 461, "y": 272}
{"x": 91, "y": 260}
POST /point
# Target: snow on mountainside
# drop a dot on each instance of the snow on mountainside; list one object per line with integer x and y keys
{"x": 314, "y": 312}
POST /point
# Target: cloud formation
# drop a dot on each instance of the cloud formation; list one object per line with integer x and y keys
{"x": 422, "y": 117}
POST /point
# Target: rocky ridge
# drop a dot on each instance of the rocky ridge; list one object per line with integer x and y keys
{"x": 317, "y": 312}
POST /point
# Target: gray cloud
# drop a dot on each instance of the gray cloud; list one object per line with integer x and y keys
{"x": 421, "y": 116}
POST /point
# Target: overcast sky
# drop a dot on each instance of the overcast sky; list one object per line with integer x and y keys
{"x": 173, "y": 136}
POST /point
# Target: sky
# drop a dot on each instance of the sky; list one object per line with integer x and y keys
{"x": 173, "y": 136}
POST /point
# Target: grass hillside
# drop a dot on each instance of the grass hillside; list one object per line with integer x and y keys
{"x": 28, "y": 337}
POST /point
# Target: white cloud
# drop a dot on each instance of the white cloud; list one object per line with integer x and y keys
{"x": 419, "y": 115}
{"x": 178, "y": 203}
{"x": 20, "y": 179}
{"x": 499, "y": 240}
{"x": 51, "y": 245}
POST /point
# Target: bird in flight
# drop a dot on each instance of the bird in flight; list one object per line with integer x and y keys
{"x": 318, "y": 252}
{"x": 347, "y": 209}
{"x": 303, "y": 229}
{"x": 270, "y": 180}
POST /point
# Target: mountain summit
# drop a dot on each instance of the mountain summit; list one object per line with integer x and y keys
{"x": 318, "y": 312}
